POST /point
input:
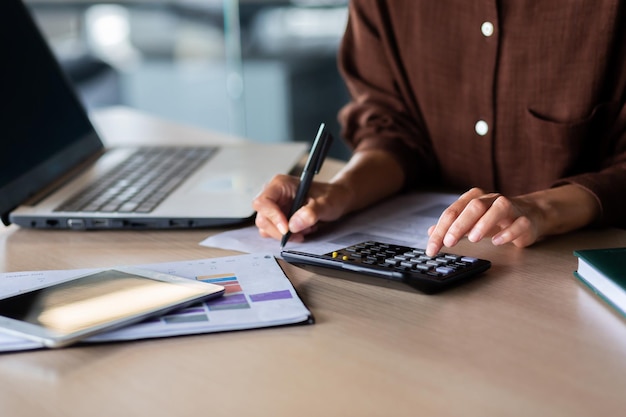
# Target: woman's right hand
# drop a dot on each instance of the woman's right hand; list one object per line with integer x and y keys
{"x": 325, "y": 202}
{"x": 368, "y": 177}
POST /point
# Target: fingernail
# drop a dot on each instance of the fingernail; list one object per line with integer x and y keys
{"x": 474, "y": 236}
{"x": 448, "y": 240}
{"x": 431, "y": 249}
{"x": 282, "y": 228}
{"x": 497, "y": 240}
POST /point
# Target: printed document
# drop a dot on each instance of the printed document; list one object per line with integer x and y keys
{"x": 402, "y": 220}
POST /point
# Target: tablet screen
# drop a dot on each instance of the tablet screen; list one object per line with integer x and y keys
{"x": 93, "y": 301}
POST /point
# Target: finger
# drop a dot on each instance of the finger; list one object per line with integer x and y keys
{"x": 267, "y": 228}
{"x": 499, "y": 214}
{"x": 463, "y": 222}
{"x": 304, "y": 218}
{"x": 466, "y": 221}
{"x": 521, "y": 233}
{"x": 270, "y": 215}
{"x": 273, "y": 201}
{"x": 448, "y": 217}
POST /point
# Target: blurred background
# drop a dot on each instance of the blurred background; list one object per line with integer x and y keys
{"x": 260, "y": 69}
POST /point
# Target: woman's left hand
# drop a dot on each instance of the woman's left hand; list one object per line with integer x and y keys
{"x": 520, "y": 220}
{"x": 477, "y": 215}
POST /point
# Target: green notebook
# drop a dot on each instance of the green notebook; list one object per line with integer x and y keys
{"x": 604, "y": 271}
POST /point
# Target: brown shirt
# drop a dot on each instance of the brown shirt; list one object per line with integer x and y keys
{"x": 511, "y": 96}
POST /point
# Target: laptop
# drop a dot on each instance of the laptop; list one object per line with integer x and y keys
{"x": 50, "y": 153}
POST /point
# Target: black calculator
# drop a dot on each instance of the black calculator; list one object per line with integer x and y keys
{"x": 405, "y": 264}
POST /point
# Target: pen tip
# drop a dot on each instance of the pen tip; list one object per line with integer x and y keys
{"x": 284, "y": 241}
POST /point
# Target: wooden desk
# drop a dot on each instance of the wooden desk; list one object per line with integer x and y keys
{"x": 524, "y": 340}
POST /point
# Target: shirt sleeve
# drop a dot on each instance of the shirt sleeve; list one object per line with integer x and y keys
{"x": 382, "y": 113}
{"x": 608, "y": 181}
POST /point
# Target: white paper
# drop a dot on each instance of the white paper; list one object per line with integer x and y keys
{"x": 402, "y": 220}
{"x": 258, "y": 294}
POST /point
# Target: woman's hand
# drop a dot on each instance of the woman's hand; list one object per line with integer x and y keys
{"x": 325, "y": 202}
{"x": 521, "y": 220}
{"x": 368, "y": 177}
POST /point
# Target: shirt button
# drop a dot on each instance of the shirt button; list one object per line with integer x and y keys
{"x": 487, "y": 29}
{"x": 481, "y": 127}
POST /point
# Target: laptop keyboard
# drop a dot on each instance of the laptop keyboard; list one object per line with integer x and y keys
{"x": 141, "y": 182}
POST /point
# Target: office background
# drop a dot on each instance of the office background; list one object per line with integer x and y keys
{"x": 261, "y": 69}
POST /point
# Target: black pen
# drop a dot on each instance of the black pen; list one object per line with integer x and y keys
{"x": 313, "y": 164}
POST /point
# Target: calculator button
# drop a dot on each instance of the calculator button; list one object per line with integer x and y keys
{"x": 469, "y": 259}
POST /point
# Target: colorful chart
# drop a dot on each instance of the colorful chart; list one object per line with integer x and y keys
{"x": 234, "y": 298}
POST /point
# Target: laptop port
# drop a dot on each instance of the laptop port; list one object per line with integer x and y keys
{"x": 52, "y": 223}
{"x": 100, "y": 223}
{"x": 76, "y": 223}
{"x": 181, "y": 223}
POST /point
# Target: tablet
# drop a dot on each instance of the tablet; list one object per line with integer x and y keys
{"x": 66, "y": 312}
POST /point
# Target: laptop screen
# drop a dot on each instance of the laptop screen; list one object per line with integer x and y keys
{"x": 44, "y": 130}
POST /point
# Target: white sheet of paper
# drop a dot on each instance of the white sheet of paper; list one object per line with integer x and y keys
{"x": 403, "y": 220}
